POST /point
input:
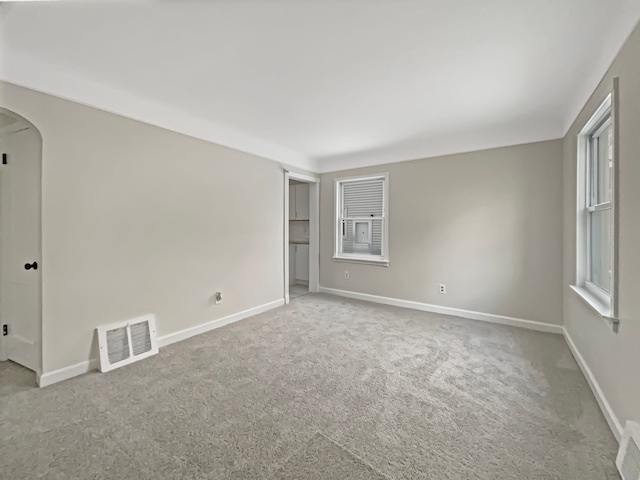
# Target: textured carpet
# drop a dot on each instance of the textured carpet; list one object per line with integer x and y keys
{"x": 322, "y": 459}
{"x": 15, "y": 378}
{"x": 394, "y": 393}
{"x": 296, "y": 291}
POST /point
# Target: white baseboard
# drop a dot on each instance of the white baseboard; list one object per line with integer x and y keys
{"x": 49, "y": 378}
{"x": 456, "y": 312}
{"x": 607, "y": 411}
{"x": 220, "y": 322}
{"x": 66, "y": 373}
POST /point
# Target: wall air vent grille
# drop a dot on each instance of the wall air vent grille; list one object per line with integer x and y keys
{"x": 628, "y": 460}
{"x": 126, "y": 342}
{"x": 117, "y": 345}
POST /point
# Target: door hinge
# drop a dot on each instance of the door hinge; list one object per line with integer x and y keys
{"x": 5, "y": 330}
{"x": 4, "y": 158}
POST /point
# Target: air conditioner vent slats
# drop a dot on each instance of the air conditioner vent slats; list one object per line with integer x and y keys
{"x": 117, "y": 345}
{"x": 126, "y": 342}
{"x": 631, "y": 463}
{"x": 628, "y": 460}
{"x": 140, "y": 338}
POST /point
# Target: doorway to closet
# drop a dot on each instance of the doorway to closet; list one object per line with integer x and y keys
{"x": 298, "y": 238}
{"x": 301, "y": 235}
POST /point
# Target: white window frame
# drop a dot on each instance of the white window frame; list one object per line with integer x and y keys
{"x": 603, "y": 302}
{"x": 382, "y": 259}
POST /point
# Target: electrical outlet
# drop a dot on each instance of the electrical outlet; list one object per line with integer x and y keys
{"x": 442, "y": 288}
{"x": 218, "y": 297}
{"x": 346, "y": 274}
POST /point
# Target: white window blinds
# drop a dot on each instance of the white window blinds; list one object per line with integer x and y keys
{"x": 363, "y": 198}
{"x": 361, "y": 217}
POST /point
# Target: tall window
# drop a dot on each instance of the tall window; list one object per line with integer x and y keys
{"x": 362, "y": 219}
{"x": 596, "y": 227}
{"x": 598, "y": 204}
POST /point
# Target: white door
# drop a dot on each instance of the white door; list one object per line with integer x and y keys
{"x": 302, "y": 262}
{"x": 20, "y": 307}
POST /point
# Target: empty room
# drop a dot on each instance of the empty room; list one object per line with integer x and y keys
{"x": 355, "y": 239}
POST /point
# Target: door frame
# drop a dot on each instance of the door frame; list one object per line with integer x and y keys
{"x": 314, "y": 230}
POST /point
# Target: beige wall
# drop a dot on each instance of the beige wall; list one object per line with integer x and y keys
{"x": 488, "y": 224}
{"x": 613, "y": 358}
{"x": 137, "y": 219}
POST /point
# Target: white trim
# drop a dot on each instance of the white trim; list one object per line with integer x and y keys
{"x": 180, "y": 335}
{"x": 314, "y": 230}
{"x": 607, "y": 411}
{"x": 602, "y": 110}
{"x": 605, "y": 303}
{"x": 456, "y": 312}
{"x": 49, "y": 378}
{"x": 383, "y": 258}
{"x": 303, "y": 177}
{"x": 601, "y": 307}
{"x": 615, "y": 199}
{"x": 314, "y": 237}
{"x": 285, "y": 235}
{"x": 362, "y": 259}
{"x": 71, "y": 371}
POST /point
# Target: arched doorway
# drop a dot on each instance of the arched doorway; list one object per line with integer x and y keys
{"x": 20, "y": 241}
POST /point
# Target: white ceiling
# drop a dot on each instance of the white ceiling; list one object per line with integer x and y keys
{"x": 327, "y": 84}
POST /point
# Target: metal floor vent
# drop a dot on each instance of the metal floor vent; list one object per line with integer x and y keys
{"x": 127, "y": 342}
{"x": 628, "y": 460}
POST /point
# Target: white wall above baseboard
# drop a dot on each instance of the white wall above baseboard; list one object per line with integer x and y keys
{"x": 220, "y": 322}
{"x": 603, "y": 403}
{"x": 456, "y": 312}
{"x": 71, "y": 371}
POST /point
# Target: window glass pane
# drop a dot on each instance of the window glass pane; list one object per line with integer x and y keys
{"x": 362, "y": 237}
{"x": 600, "y": 246}
{"x": 363, "y": 232}
{"x": 602, "y": 167}
{"x": 376, "y": 237}
{"x": 346, "y": 242}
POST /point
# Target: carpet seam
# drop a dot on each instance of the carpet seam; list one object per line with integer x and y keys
{"x": 295, "y": 452}
{"x": 355, "y": 455}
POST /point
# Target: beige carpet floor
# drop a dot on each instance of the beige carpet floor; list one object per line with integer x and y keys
{"x": 323, "y": 388}
{"x": 15, "y": 378}
{"x": 296, "y": 291}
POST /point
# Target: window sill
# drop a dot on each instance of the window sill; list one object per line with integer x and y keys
{"x": 363, "y": 260}
{"x": 594, "y": 302}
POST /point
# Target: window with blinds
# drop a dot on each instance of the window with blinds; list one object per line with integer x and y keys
{"x": 361, "y": 218}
